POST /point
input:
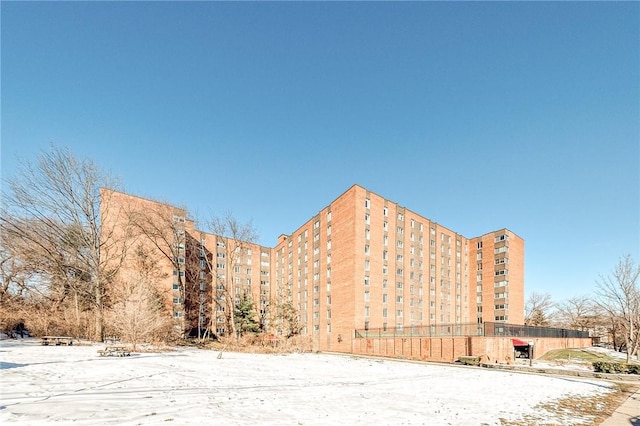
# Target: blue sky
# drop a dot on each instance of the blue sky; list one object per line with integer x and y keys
{"x": 478, "y": 116}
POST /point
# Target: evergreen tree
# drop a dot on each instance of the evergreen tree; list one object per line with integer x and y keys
{"x": 245, "y": 316}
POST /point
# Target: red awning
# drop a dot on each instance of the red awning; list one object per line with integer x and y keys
{"x": 518, "y": 342}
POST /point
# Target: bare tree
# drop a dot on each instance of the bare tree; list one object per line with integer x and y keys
{"x": 163, "y": 226}
{"x": 285, "y": 317}
{"x": 618, "y": 294}
{"x": 578, "y": 313}
{"x": 233, "y": 248}
{"x": 56, "y": 208}
{"x": 198, "y": 294}
{"x": 138, "y": 313}
{"x": 538, "y": 309}
{"x": 15, "y": 274}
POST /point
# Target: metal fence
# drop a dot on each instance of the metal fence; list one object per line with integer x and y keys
{"x": 487, "y": 329}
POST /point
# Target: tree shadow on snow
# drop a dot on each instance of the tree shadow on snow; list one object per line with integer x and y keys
{"x": 8, "y": 365}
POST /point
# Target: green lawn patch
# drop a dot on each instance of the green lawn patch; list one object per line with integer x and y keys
{"x": 584, "y": 355}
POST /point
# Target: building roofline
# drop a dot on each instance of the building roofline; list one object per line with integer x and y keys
{"x": 144, "y": 198}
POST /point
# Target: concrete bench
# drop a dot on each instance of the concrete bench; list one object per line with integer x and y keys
{"x": 114, "y": 351}
{"x": 56, "y": 340}
{"x": 112, "y": 340}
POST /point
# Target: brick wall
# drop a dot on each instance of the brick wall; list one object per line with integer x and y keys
{"x": 449, "y": 349}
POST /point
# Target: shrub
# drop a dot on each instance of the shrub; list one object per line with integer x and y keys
{"x": 615, "y": 367}
{"x": 633, "y": 368}
{"x": 469, "y": 360}
{"x": 609, "y": 367}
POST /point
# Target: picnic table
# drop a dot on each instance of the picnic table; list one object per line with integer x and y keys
{"x": 114, "y": 351}
{"x": 57, "y": 340}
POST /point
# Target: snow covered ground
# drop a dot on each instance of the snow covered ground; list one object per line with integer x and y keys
{"x": 72, "y": 384}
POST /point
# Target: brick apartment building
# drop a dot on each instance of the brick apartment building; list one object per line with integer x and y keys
{"x": 362, "y": 262}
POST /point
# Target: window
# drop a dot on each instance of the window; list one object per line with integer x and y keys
{"x": 398, "y": 299}
{"x": 501, "y": 283}
{"x": 328, "y": 216}
{"x": 502, "y": 306}
{"x": 384, "y": 298}
{"x": 385, "y": 211}
{"x": 479, "y": 244}
{"x": 501, "y": 295}
{"x": 501, "y": 261}
{"x": 366, "y": 249}
{"x": 366, "y": 311}
{"x": 367, "y": 203}
{"x": 501, "y": 238}
{"x": 501, "y": 272}
{"x": 384, "y": 312}
{"x": 400, "y": 216}
{"x": 366, "y": 280}
{"x": 367, "y": 218}
{"x": 399, "y": 272}
{"x": 367, "y": 296}
{"x": 367, "y": 234}
{"x": 176, "y": 286}
{"x": 499, "y": 250}
{"x": 316, "y": 224}
{"x": 399, "y": 313}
